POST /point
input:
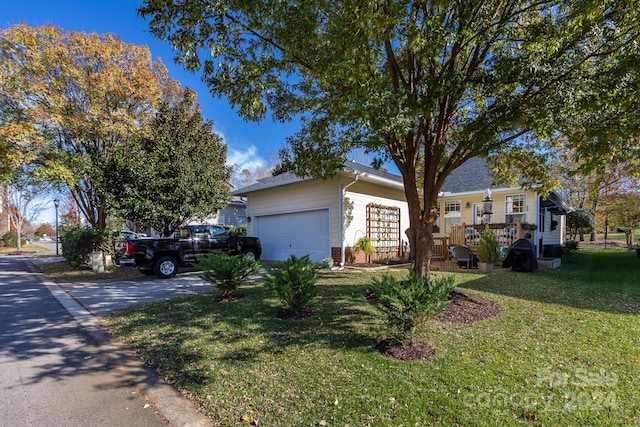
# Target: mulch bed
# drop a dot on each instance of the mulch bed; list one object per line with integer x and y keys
{"x": 463, "y": 308}
{"x": 469, "y": 308}
{"x": 414, "y": 351}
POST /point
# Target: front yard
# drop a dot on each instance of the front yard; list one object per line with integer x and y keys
{"x": 565, "y": 351}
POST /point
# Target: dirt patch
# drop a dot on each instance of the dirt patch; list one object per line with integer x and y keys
{"x": 469, "y": 308}
{"x": 414, "y": 351}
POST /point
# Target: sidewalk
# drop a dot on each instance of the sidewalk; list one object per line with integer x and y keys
{"x": 174, "y": 408}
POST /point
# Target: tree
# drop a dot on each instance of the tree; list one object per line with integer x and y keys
{"x": 45, "y": 229}
{"x": 68, "y": 99}
{"x": 426, "y": 84}
{"x": 173, "y": 174}
{"x": 624, "y": 212}
{"x": 24, "y": 204}
{"x": 577, "y": 221}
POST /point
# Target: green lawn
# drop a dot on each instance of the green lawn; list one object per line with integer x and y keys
{"x": 564, "y": 352}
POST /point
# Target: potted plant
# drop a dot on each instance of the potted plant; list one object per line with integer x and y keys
{"x": 327, "y": 262}
{"x": 364, "y": 244}
{"x": 488, "y": 251}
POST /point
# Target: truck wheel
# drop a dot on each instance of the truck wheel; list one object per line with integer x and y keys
{"x": 165, "y": 267}
{"x": 250, "y": 253}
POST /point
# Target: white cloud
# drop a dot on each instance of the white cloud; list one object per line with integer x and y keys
{"x": 247, "y": 158}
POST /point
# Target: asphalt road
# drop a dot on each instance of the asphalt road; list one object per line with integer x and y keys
{"x": 59, "y": 368}
{"x": 52, "y": 373}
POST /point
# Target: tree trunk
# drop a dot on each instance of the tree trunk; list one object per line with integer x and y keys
{"x": 420, "y": 232}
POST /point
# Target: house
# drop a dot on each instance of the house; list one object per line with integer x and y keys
{"x": 235, "y": 213}
{"x": 326, "y": 218}
{"x": 511, "y": 212}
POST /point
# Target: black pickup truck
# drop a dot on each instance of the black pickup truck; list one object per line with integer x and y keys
{"x": 164, "y": 256}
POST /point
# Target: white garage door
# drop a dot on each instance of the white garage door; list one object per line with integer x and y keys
{"x": 297, "y": 233}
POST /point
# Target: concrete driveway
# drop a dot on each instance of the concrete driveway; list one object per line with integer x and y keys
{"x": 107, "y": 296}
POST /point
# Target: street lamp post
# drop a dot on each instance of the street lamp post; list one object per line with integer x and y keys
{"x": 56, "y": 203}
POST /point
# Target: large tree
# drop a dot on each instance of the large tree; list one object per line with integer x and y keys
{"x": 68, "y": 99}
{"x": 426, "y": 84}
{"x": 174, "y": 173}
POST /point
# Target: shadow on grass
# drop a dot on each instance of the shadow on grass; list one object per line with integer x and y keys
{"x": 181, "y": 335}
{"x": 603, "y": 280}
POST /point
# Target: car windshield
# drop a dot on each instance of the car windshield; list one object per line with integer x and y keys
{"x": 218, "y": 232}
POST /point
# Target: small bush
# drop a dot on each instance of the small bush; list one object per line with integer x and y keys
{"x": 239, "y": 230}
{"x": 294, "y": 282}
{"x": 488, "y": 248}
{"x": 364, "y": 244}
{"x": 406, "y": 304}
{"x": 570, "y": 246}
{"x": 10, "y": 239}
{"x": 79, "y": 243}
{"x": 227, "y": 272}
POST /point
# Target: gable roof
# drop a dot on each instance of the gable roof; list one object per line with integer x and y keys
{"x": 363, "y": 172}
{"x": 474, "y": 175}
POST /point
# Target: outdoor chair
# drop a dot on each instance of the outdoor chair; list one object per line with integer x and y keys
{"x": 463, "y": 256}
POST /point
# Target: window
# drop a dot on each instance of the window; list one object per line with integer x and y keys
{"x": 516, "y": 209}
{"x": 452, "y": 214}
{"x": 216, "y": 232}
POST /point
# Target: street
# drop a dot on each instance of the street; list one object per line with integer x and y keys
{"x": 51, "y": 372}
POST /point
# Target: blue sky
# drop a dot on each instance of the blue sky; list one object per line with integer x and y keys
{"x": 250, "y": 145}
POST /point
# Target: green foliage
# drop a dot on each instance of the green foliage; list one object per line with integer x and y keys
{"x": 293, "y": 282}
{"x": 227, "y": 272}
{"x": 240, "y": 230}
{"x": 488, "y": 248}
{"x": 571, "y": 245}
{"x": 406, "y": 304}
{"x": 10, "y": 239}
{"x": 426, "y": 87}
{"x": 173, "y": 174}
{"x": 579, "y": 220}
{"x": 78, "y": 244}
{"x": 77, "y": 97}
{"x": 364, "y": 244}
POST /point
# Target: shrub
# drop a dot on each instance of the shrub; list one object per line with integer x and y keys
{"x": 488, "y": 248}
{"x": 364, "y": 244}
{"x": 10, "y": 239}
{"x": 570, "y": 246}
{"x": 227, "y": 272}
{"x": 240, "y": 230}
{"x": 293, "y": 282}
{"x": 79, "y": 243}
{"x": 406, "y": 304}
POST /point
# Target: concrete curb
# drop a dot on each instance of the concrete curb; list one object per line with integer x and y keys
{"x": 175, "y": 408}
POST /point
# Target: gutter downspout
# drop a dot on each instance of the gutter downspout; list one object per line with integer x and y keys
{"x": 343, "y": 189}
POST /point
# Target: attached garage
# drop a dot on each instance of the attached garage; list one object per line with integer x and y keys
{"x": 294, "y": 233}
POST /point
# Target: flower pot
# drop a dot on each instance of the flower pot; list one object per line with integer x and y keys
{"x": 485, "y": 267}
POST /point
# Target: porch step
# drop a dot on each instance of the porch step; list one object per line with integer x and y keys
{"x": 549, "y": 262}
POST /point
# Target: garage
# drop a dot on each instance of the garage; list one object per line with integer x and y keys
{"x": 294, "y": 233}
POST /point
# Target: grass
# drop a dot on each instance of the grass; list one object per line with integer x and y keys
{"x": 62, "y": 272}
{"x": 564, "y": 352}
{"x": 25, "y": 248}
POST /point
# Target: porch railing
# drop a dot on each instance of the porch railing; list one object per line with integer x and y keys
{"x": 470, "y": 235}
